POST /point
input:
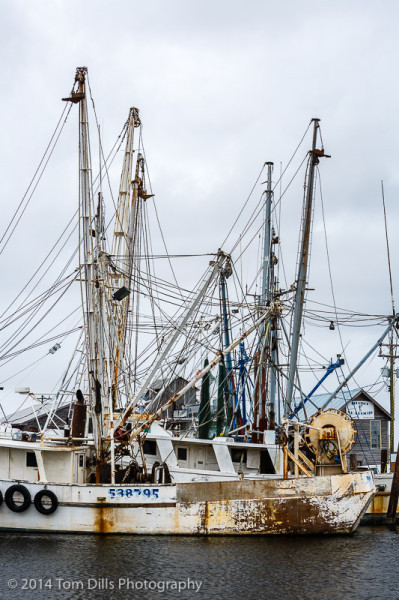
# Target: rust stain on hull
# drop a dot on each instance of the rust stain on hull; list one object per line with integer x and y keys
{"x": 295, "y": 516}
{"x": 379, "y": 504}
{"x": 104, "y": 520}
{"x": 330, "y": 504}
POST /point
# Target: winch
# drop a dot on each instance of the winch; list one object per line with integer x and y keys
{"x": 330, "y": 435}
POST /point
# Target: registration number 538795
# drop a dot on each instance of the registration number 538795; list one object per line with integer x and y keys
{"x": 133, "y": 492}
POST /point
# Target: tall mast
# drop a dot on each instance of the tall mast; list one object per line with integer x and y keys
{"x": 86, "y": 234}
{"x": 123, "y": 247}
{"x": 231, "y": 403}
{"x": 267, "y": 282}
{"x": 91, "y": 236}
{"x": 314, "y": 156}
{"x": 266, "y": 355}
{"x": 268, "y": 291}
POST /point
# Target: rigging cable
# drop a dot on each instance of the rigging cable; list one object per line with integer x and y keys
{"x": 66, "y": 109}
{"x": 331, "y": 281}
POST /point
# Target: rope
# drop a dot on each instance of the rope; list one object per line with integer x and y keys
{"x": 66, "y": 109}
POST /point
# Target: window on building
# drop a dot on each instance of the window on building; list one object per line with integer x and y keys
{"x": 31, "y": 459}
{"x": 182, "y": 453}
{"x": 375, "y": 431}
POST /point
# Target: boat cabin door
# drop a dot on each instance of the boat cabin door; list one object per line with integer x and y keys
{"x": 79, "y": 467}
{"x": 199, "y": 457}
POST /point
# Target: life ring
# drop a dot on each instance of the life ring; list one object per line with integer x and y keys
{"x": 9, "y": 498}
{"x": 43, "y": 507}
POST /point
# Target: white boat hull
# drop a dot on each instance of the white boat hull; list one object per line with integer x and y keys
{"x": 325, "y": 504}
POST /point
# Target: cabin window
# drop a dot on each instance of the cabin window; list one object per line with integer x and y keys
{"x": 81, "y": 460}
{"x": 266, "y": 464}
{"x": 31, "y": 459}
{"x": 150, "y": 447}
{"x": 182, "y": 453}
{"x": 210, "y": 455}
{"x": 375, "y": 431}
{"x": 238, "y": 455}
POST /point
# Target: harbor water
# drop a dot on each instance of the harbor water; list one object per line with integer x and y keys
{"x": 363, "y": 566}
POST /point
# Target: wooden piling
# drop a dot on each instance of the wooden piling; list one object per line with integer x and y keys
{"x": 393, "y": 498}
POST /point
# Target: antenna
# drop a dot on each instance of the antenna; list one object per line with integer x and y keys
{"x": 392, "y": 346}
{"x": 388, "y": 254}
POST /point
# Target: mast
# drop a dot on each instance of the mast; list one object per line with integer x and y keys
{"x": 265, "y": 356}
{"x": 86, "y": 219}
{"x": 92, "y": 238}
{"x": 123, "y": 250}
{"x": 267, "y": 281}
{"x": 231, "y": 402}
{"x": 204, "y": 413}
{"x": 267, "y": 295}
{"x": 314, "y": 156}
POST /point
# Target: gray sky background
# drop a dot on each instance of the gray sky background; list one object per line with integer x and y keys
{"x": 222, "y": 87}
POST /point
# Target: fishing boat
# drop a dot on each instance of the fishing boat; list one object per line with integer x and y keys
{"x": 114, "y": 467}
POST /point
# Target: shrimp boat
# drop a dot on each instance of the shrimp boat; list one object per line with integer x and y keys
{"x": 114, "y": 467}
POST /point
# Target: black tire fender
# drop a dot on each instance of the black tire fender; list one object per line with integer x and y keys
{"x": 42, "y": 508}
{"x": 9, "y": 498}
{"x": 153, "y": 471}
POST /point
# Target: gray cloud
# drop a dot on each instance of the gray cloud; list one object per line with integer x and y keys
{"x": 222, "y": 87}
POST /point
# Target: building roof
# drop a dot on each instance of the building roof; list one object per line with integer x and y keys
{"x": 35, "y": 412}
{"x": 158, "y": 384}
{"x": 339, "y": 402}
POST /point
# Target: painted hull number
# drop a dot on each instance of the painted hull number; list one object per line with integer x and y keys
{"x": 133, "y": 492}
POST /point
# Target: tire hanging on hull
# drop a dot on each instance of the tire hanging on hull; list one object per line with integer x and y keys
{"x": 41, "y": 506}
{"x": 12, "y": 504}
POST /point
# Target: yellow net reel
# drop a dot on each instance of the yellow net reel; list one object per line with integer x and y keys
{"x": 330, "y": 424}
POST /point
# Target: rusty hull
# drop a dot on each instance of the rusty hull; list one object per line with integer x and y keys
{"x": 317, "y": 505}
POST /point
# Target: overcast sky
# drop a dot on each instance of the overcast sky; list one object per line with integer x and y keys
{"x": 222, "y": 87}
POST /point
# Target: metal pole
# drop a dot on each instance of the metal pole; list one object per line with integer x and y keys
{"x": 330, "y": 369}
{"x": 242, "y": 374}
{"x": 267, "y": 283}
{"x": 226, "y": 332}
{"x": 392, "y": 398}
{"x": 111, "y": 433}
{"x": 302, "y": 271}
{"x": 267, "y": 292}
{"x": 273, "y": 375}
